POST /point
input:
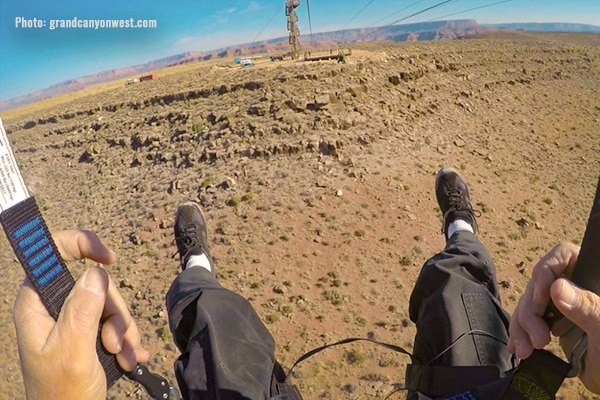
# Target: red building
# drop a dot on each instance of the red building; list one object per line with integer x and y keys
{"x": 147, "y": 77}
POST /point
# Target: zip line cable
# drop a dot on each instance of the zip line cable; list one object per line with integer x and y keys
{"x": 404, "y": 18}
{"x": 471, "y": 9}
{"x": 309, "y": 21}
{"x": 358, "y": 13}
{"x": 390, "y": 15}
{"x": 396, "y": 12}
{"x": 267, "y": 24}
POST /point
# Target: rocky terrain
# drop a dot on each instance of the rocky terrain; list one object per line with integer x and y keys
{"x": 317, "y": 181}
{"x": 437, "y": 30}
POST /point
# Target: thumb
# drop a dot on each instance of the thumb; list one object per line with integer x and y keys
{"x": 578, "y": 305}
{"x": 80, "y": 316}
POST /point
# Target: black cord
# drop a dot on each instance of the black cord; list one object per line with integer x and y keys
{"x": 470, "y": 9}
{"x": 461, "y": 337}
{"x": 358, "y": 13}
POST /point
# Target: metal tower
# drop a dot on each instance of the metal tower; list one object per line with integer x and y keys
{"x": 292, "y": 25}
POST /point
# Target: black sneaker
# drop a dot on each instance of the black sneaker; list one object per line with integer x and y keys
{"x": 453, "y": 197}
{"x": 191, "y": 233}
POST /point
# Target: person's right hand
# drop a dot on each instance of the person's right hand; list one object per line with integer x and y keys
{"x": 58, "y": 358}
{"x": 580, "y": 307}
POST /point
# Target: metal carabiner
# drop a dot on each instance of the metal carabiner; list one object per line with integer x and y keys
{"x": 577, "y": 356}
{"x": 157, "y": 387}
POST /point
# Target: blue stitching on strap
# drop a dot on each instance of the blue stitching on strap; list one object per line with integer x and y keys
{"x": 31, "y": 238}
{"x": 26, "y": 227}
{"x": 36, "y": 246}
{"x": 45, "y": 266}
{"x": 34, "y": 261}
{"x": 50, "y": 275}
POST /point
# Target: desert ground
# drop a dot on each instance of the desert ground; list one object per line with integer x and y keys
{"x": 317, "y": 182}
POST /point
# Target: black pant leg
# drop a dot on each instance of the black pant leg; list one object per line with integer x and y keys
{"x": 457, "y": 292}
{"x": 227, "y": 352}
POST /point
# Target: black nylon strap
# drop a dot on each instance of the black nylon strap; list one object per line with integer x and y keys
{"x": 34, "y": 247}
{"x": 539, "y": 377}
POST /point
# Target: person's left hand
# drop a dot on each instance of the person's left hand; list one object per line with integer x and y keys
{"x": 58, "y": 358}
{"x": 580, "y": 308}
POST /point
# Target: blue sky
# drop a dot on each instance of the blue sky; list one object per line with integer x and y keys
{"x": 35, "y": 58}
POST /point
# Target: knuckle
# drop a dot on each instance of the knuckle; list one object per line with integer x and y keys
{"x": 84, "y": 316}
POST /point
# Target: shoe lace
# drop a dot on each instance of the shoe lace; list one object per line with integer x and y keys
{"x": 457, "y": 202}
{"x": 187, "y": 240}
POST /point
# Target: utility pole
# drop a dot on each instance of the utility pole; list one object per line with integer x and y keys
{"x": 292, "y": 25}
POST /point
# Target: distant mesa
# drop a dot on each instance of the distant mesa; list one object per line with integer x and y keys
{"x": 547, "y": 27}
{"x": 434, "y": 30}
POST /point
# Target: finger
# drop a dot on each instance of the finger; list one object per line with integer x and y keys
{"x": 519, "y": 342}
{"x": 80, "y": 244}
{"x": 117, "y": 319}
{"x": 579, "y": 306}
{"x": 78, "y": 321}
{"x": 124, "y": 342}
{"x": 120, "y": 334}
{"x": 132, "y": 352}
{"x": 32, "y": 321}
{"x": 559, "y": 261}
{"x": 530, "y": 321}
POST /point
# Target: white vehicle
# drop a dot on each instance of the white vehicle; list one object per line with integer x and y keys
{"x": 246, "y": 62}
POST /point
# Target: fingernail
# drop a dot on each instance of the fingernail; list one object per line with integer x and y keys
{"x": 93, "y": 281}
{"x": 568, "y": 295}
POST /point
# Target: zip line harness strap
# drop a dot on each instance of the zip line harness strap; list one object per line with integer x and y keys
{"x": 30, "y": 239}
{"x": 536, "y": 378}
{"x": 37, "y": 253}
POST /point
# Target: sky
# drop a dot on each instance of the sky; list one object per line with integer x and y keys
{"x": 35, "y": 56}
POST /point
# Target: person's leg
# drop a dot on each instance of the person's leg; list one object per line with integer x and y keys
{"x": 455, "y": 303}
{"x": 227, "y": 352}
{"x": 457, "y": 292}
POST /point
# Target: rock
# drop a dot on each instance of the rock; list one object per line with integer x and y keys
{"x": 170, "y": 347}
{"x": 339, "y": 193}
{"x": 86, "y": 157}
{"x": 505, "y": 284}
{"x": 124, "y": 284}
{"x": 394, "y": 80}
{"x": 280, "y": 289}
{"x": 459, "y": 142}
{"x": 173, "y": 186}
{"x": 133, "y": 238}
{"x": 322, "y": 100}
{"x": 227, "y": 184}
{"x": 29, "y": 124}
{"x": 136, "y": 162}
{"x": 522, "y": 222}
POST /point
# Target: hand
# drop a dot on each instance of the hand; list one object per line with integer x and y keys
{"x": 580, "y": 308}
{"x": 58, "y": 358}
